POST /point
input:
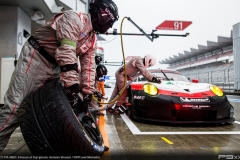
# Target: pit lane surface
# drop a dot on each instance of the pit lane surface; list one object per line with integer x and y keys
{"x": 130, "y": 139}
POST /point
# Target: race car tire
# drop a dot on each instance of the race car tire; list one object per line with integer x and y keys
{"x": 130, "y": 99}
{"x": 50, "y": 127}
{"x": 129, "y": 112}
{"x": 231, "y": 112}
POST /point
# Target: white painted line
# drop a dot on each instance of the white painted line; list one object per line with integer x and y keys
{"x": 130, "y": 124}
{"x": 237, "y": 122}
{"x": 135, "y": 131}
{"x": 187, "y": 133}
{"x": 233, "y": 100}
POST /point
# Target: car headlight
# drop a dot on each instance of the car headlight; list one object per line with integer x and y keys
{"x": 216, "y": 90}
{"x": 150, "y": 89}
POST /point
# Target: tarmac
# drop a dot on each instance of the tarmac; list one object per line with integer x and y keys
{"x": 123, "y": 142}
{"x": 16, "y": 145}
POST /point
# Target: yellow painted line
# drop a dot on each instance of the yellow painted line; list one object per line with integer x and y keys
{"x": 103, "y": 130}
{"x": 166, "y": 140}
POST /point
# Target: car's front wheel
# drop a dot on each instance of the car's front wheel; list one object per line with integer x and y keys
{"x": 130, "y": 99}
{"x": 129, "y": 112}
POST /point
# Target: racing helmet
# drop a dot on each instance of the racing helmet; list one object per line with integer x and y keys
{"x": 101, "y": 70}
{"x": 149, "y": 60}
{"x": 98, "y": 59}
{"x": 106, "y": 11}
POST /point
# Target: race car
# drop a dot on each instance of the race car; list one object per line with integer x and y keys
{"x": 177, "y": 100}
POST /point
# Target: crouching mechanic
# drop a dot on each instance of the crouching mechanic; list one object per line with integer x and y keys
{"x": 133, "y": 67}
{"x": 53, "y": 51}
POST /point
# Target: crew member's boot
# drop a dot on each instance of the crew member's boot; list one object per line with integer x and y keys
{"x": 116, "y": 110}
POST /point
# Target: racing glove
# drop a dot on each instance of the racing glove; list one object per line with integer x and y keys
{"x": 87, "y": 98}
{"x": 83, "y": 107}
{"x": 156, "y": 79}
{"x": 72, "y": 95}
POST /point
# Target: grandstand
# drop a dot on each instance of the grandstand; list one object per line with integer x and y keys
{"x": 209, "y": 64}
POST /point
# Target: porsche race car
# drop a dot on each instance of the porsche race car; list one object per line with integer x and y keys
{"x": 177, "y": 100}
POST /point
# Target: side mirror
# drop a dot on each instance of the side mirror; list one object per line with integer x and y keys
{"x": 194, "y": 80}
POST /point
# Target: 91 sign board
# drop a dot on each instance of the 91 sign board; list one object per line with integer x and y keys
{"x": 173, "y": 25}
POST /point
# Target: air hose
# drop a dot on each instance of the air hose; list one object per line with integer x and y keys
{"x": 125, "y": 72}
{"x": 151, "y": 37}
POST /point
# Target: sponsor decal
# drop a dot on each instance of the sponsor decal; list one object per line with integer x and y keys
{"x": 89, "y": 139}
{"x": 98, "y": 148}
{"x": 139, "y": 97}
{"x": 168, "y": 83}
{"x": 193, "y": 106}
{"x": 109, "y": 13}
{"x": 83, "y": 34}
{"x": 184, "y": 99}
{"x": 176, "y": 83}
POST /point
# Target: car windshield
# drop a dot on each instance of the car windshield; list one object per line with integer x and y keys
{"x": 170, "y": 75}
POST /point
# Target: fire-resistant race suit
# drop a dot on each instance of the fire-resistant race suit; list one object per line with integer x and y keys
{"x": 133, "y": 67}
{"x": 65, "y": 37}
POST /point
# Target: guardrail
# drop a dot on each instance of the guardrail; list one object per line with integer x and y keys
{"x": 227, "y": 86}
{"x": 225, "y": 75}
{"x": 223, "y": 78}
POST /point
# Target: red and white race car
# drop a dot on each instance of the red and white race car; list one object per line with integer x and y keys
{"x": 177, "y": 100}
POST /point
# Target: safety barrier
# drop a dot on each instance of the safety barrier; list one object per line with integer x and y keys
{"x": 223, "y": 78}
